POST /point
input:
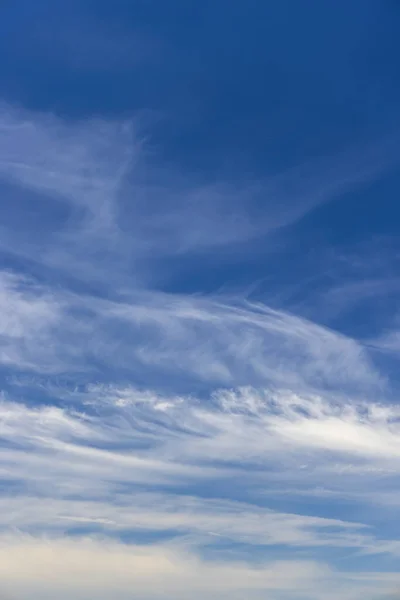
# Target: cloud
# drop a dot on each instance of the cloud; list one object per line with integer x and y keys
{"x": 28, "y": 314}
{"x": 388, "y": 342}
{"x": 110, "y": 448}
{"x": 125, "y": 213}
{"x": 133, "y": 413}
{"x": 213, "y": 340}
{"x": 81, "y": 162}
{"x": 87, "y": 567}
{"x": 249, "y": 424}
{"x": 187, "y": 520}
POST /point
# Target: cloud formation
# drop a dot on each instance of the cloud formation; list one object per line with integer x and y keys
{"x": 110, "y": 205}
{"x": 177, "y": 443}
{"x": 88, "y": 567}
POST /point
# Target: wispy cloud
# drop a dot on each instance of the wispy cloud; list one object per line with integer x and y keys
{"x": 187, "y": 415}
{"x": 82, "y": 475}
{"x": 28, "y": 314}
{"x": 125, "y": 210}
{"x": 116, "y": 439}
{"x": 215, "y": 340}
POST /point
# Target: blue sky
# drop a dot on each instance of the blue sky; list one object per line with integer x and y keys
{"x": 199, "y": 299}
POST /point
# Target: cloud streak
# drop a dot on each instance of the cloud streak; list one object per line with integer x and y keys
{"x": 124, "y": 213}
{"x": 81, "y": 475}
{"x": 215, "y": 340}
{"x": 115, "y": 440}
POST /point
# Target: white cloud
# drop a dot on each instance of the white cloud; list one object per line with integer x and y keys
{"x": 84, "y": 568}
{"x": 304, "y": 407}
{"x": 190, "y": 520}
{"x": 28, "y": 314}
{"x": 252, "y": 342}
{"x": 214, "y": 340}
{"x": 88, "y": 567}
{"x": 259, "y": 440}
{"x": 388, "y": 342}
{"x": 81, "y": 162}
{"x": 125, "y": 213}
